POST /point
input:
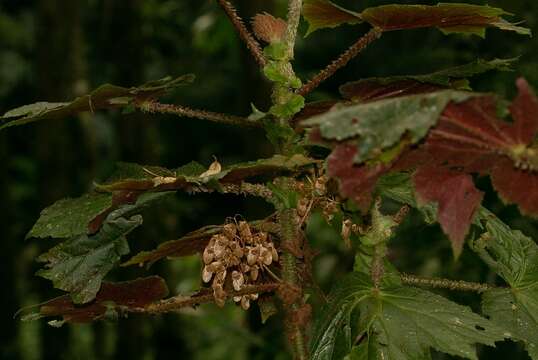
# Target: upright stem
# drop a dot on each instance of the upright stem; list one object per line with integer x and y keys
{"x": 294, "y": 16}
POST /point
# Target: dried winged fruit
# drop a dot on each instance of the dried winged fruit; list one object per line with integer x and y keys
{"x": 245, "y": 233}
{"x": 237, "y": 280}
{"x": 206, "y": 274}
{"x": 245, "y": 303}
{"x": 229, "y": 230}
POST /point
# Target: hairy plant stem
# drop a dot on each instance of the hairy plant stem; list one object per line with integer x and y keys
{"x": 156, "y": 107}
{"x": 292, "y": 295}
{"x": 245, "y": 35}
{"x": 178, "y": 302}
{"x": 458, "y": 285}
{"x": 342, "y": 61}
{"x": 289, "y": 238}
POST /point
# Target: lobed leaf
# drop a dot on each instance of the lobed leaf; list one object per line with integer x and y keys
{"x": 112, "y": 300}
{"x": 457, "y": 200}
{"x": 449, "y": 18}
{"x": 105, "y": 97}
{"x": 381, "y": 124}
{"x": 397, "y": 322}
{"x": 514, "y": 257}
{"x": 79, "y": 264}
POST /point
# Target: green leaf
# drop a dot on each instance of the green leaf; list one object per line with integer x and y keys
{"x": 449, "y": 18}
{"x": 105, "y": 97}
{"x": 70, "y": 217}
{"x": 397, "y": 322}
{"x": 324, "y": 14}
{"x": 451, "y": 78}
{"x": 381, "y": 124}
{"x": 514, "y": 257}
{"x": 79, "y": 264}
{"x": 511, "y": 254}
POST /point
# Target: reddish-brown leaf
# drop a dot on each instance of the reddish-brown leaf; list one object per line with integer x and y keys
{"x": 372, "y": 89}
{"x": 111, "y": 297}
{"x": 516, "y": 186}
{"x": 456, "y": 197}
{"x": 464, "y": 18}
{"x": 356, "y": 182}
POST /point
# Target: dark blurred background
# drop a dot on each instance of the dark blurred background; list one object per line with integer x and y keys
{"x": 54, "y": 50}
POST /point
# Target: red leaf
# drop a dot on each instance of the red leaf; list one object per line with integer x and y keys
{"x": 457, "y": 200}
{"x": 447, "y": 17}
{"x": 370, "y": 90}
{"x": 356, "y": 182}
{"x": 112, "y": 296}
{"x": 516, "y": 186}
{"x": 524, "y": 110}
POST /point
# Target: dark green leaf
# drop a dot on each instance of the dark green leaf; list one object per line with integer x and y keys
{"x": 105, "y": 97}
{"x": 399, "y": 323}
{"x": 70, "y": 217}
{"x": 381, "y": 124}
{"x": 514, "y": 257}
{"x": 79, "y": 264}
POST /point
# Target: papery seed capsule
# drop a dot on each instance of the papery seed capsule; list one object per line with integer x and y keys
{"x": 245, "y": 303}
{"x": 263, "y": 236}
{"x": 244, "y": 268}
{"x": 208, "y": 255}
{"x": 253, "y": 296}
{"x": 265, "y": 256}
{"x": 220, "y": 277}
{"x": 302, "y": 207}
{"x": 244, "y": 231}
{"x": 252, "y": 255}
{"x": 219, "y": 250}
{"x": 215, "y": 266}
{"x": 254, "y": 272}
{"x": 206, "y": 274}
{"x": 274, "y": 253}
{"x": 237, "y": 298}
{"x": 237, "y": 280}
{"x": 230, "y": 231}
{"x": 346, "y": 232}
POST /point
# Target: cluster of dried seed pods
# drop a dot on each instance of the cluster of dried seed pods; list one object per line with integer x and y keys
{"x": 240, "y": 252}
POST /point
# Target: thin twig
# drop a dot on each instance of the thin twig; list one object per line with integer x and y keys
{"x": 342, "y": 61}
{"x": 459, "y": 285}
{"x": 178, "y": 302}
{"x": 156, "y": 107}
{"x": 245, "y": 35}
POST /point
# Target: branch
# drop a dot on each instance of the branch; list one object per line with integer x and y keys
{"x": 156, "y": 107}
{"x": 342, "y": 61}
{"x": 244, "y": 34}
{"x": 459, "y": 285}
{"x": 178, "y": 302}
{"x": 294, "y": 16}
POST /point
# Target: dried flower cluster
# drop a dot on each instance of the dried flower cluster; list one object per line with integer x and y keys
{"x": 242, "y": 254}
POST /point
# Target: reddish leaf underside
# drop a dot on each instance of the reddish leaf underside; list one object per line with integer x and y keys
{"x": 323, "y": 14}
{"x": 111, "y": 297}
{"x": 456, "y": 197}
{"x": 356, "y": 182}
{"x": 448, "y": 17}
{"x": 472, "y": 138}
{"x": 370, "y": 90}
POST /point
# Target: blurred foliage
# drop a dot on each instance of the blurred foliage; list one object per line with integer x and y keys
{"x": 55, "y": 50}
